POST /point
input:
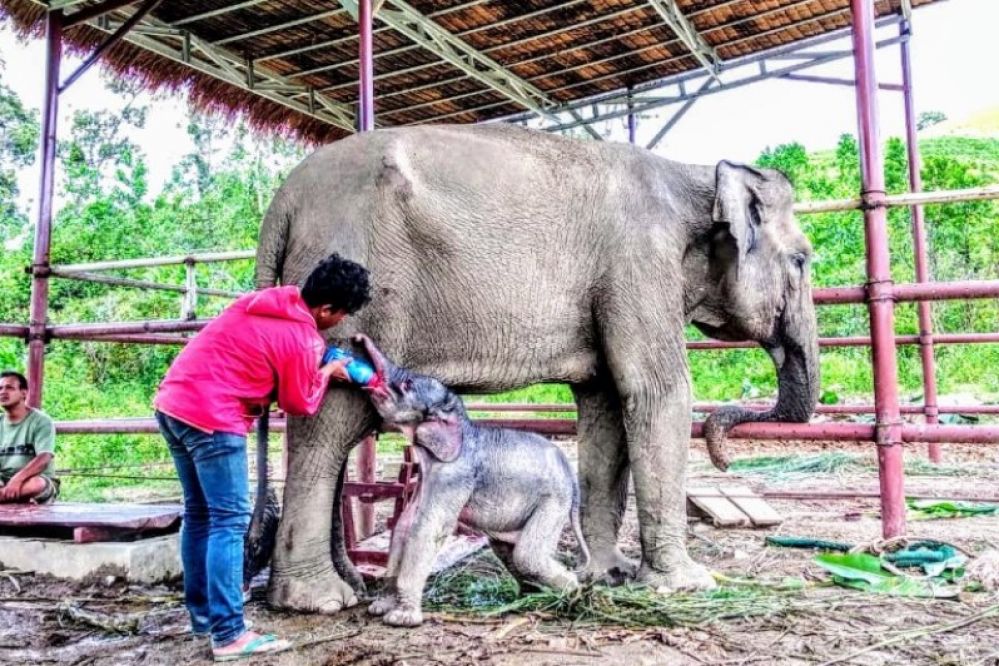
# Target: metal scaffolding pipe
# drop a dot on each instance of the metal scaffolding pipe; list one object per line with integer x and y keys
{"x": 367, "y": 456}
{"x": 847, "y": 432}
{"x": 889, "y": 434}
{"x": 43, "y": 230}
{"x": 148, "y": 262}
{"x": 849, "y": 495}
{"x": 909, "y": 199}
{"x": 13, "y": 331}
{"x": 141, "y": 284}
{"x": 919, "y": 244}
{"x": 705, "y": 407}
{"x": 86, "y": 331}
{"x": 931, "y": 291}
{"x": 139, "y": 338}
{"x": 857, "y": 341}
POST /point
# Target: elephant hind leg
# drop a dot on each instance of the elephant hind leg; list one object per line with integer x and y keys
{"x": 534, "y": 554}
{"x": 604, "y": 473}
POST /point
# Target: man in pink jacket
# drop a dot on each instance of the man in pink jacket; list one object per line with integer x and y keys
{"x": 265, "y": 345}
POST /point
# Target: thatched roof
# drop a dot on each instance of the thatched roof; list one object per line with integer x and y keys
{"x": 303, "y": 53}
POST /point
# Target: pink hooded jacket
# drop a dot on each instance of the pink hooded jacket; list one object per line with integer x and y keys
{"x": 228, "y": 372}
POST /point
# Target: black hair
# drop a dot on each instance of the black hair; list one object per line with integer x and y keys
{"x": 21, "y": 379}
{"x": 339, "y": 283}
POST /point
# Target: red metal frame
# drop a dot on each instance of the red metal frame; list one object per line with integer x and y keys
{"x": 926, "y": 341}
{"x": 880, "y": 293}
{"x": 888, "y": 434}
{"x": 43, "y": 230}
{"x": 367, "y": 455}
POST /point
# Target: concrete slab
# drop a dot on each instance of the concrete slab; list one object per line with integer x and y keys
{"x": 143, "y": 561}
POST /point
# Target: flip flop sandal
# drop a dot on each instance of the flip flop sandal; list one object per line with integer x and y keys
{"x": 261, "y": 645}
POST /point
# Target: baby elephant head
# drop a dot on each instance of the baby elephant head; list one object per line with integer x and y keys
{"x": 428, "y": 413}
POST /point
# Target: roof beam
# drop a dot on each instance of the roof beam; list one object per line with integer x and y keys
{"x": 679, "y": 114}
{"x": 735, "y": 83}
{"x": 216, "y": 12}
{"x": 351, "y": 7}
{"x": 278, "y": 27}
{"x": 688, "y": 34}
{"x": 209, "y": 59}
{"x": 404, "y": 19}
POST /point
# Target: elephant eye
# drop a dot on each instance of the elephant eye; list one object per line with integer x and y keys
{"x": 799, "y": 259}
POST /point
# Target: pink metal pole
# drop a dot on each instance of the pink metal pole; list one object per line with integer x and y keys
{"x": 43, "y": 230}
{"x": 932, "y": 291}
{"x": 367, "y": 456}
{"x": 366, "y": 107}
{"x": 90, "y": 331}
{"x": 13, "y": 331}
{"x": 888, "y": 430}
{"x": 632, "y": 121}
{"x": 919, "y": 243}
{"x": 842, "y": 432}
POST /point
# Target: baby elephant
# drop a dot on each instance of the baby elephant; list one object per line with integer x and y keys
{"x": 515, "y": 487}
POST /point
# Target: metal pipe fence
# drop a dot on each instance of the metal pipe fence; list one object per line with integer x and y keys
{"x": 880, "y": 293}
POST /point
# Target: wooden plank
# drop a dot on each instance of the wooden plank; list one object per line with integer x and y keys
{"x": 760, "y": 513}
{"x": 71, "y": 514}
{"x": 720, "y": 509}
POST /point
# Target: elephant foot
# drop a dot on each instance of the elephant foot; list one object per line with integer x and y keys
{"x": 404, "y": 615}
{"x": 326, "y": 593}
{"x": 686, "y": 576}
{"x": 383, "y": 605}
{"x": 610, "y": 566}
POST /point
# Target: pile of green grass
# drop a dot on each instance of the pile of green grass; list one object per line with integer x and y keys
{"x": 481, "y": 587}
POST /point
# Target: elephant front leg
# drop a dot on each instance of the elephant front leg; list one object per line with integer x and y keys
{"x": 303, "y": 576}
{"x": 658, "y": 444}
{"x": 603, "y": 479}
{"x": 434, "y": 520}
{"x": 647, "y": 358}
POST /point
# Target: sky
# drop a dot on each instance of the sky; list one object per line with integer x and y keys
{"x": 953, "y": 51}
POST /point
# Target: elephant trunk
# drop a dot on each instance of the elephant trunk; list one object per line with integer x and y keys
{"x": 798, "y": 391}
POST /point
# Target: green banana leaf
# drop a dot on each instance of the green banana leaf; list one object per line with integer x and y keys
{"x": 931, "y": 509}
{"x": 864, "y": 572}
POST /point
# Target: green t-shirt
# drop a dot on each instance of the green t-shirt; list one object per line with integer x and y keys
{"x": 21, "y": 442}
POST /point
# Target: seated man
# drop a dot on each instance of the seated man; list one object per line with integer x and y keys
{"x": 27, "y": 446}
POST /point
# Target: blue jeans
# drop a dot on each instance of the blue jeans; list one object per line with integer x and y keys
{"x": 214, "y": 477}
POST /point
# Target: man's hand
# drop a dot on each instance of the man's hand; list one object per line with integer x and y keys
{"x": 336, "y": 370}
{"x": 11, "y": 491}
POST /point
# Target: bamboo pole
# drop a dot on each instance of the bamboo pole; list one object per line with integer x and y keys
{"x": 907, "y": 199}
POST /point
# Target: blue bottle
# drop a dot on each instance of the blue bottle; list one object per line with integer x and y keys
{"x": 359, "y": 371}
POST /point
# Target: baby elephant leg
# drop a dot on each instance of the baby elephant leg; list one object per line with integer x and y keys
{"x": 431, "y": 527}
{"x": 504, "y": 553}
{"x": 388, "y": 599}
{"x": 534, "y": 554}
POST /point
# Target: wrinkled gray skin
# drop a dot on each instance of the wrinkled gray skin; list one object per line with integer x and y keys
{"x": 503, "y": 257}
{"x": 515, "y": 487}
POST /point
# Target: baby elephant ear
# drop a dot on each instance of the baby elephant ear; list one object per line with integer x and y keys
{"x": 441, "y": 436}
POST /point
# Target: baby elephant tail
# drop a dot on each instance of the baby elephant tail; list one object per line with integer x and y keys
{"x": 577, "y": 529}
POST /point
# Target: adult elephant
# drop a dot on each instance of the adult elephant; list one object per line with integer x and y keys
{"x": 503, "y": 257}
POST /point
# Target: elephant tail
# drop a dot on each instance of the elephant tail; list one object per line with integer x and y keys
{"x": 273, "y": 243}
{"x": 262, "y": 533}
{"x": 577, "y": 528}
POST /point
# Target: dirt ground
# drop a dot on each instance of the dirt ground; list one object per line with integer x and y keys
{"x": 46, "y": 621}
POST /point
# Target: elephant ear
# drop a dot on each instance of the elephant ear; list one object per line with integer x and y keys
{"x": 441, "y": 435}
{"x": 737, "y": 212}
